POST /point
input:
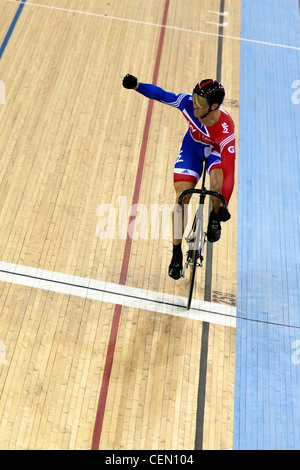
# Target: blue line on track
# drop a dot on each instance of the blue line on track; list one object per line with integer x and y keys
{"x": 11, "y": 28}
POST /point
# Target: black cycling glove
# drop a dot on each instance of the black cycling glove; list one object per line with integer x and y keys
{"x": 129, "y": 81}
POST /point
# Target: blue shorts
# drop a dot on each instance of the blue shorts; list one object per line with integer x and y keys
{"x": 189, "y": 163}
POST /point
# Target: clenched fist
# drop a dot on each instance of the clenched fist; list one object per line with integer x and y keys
{"x": 130, "y": 82}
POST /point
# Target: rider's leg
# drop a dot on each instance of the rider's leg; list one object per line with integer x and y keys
{"x": 214, "y": 224}
{"x": 187, "y": 171}
{"x": 216, "y": 180}
{"x": 178, "y": 217}
{"x": 178, "y": 222}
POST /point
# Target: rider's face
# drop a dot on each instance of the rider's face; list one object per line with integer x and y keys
{"x": 200, "y": 106}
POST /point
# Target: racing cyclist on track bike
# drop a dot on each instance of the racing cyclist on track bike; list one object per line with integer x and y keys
{"x": 210, "y": 136}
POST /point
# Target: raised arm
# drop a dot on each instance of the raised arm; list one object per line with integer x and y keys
{"x": 155, "y": 93}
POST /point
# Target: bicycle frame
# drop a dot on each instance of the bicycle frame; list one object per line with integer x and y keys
{"x": 196, "y": 237}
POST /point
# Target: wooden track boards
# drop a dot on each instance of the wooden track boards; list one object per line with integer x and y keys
{"x": 70, "y": 141}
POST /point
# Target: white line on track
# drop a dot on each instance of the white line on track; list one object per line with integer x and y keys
{"x": 217, "y": 24}
{"x": 174, "y": 28}
{"x": 225, "y": 13}
{"x": 117, "y": 294}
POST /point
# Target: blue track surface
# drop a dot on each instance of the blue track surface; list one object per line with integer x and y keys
{"x": 267, "y": 395}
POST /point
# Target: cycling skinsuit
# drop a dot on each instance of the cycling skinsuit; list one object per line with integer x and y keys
{"x": 215, "y": 143}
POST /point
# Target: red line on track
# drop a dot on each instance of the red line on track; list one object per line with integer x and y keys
{"x": 127, "y": 250}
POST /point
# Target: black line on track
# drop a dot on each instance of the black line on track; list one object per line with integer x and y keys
{"x": 155, "y": 301}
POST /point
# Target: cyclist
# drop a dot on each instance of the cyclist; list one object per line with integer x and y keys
{"x": 210, "y": 136}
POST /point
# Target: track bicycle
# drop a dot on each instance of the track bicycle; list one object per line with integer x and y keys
{"x": 196, "y": 237}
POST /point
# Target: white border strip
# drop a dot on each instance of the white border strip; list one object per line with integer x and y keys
{"x": 117, "y": 294}
{"x": 175, "y": 28}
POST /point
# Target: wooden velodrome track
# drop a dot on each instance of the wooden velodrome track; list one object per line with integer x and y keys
{"x": 88, "y": 363}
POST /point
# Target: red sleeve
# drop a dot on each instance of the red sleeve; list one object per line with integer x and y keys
{"x": 226, "y": 142}
{"x": 227, "y": 165}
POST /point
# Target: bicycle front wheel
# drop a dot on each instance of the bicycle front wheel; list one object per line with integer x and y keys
{"x": 195, "y": 241}
{"x": 193, "y": 267}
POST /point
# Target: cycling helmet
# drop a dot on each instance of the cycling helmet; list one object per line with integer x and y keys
{"x": 211, "y": 90}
